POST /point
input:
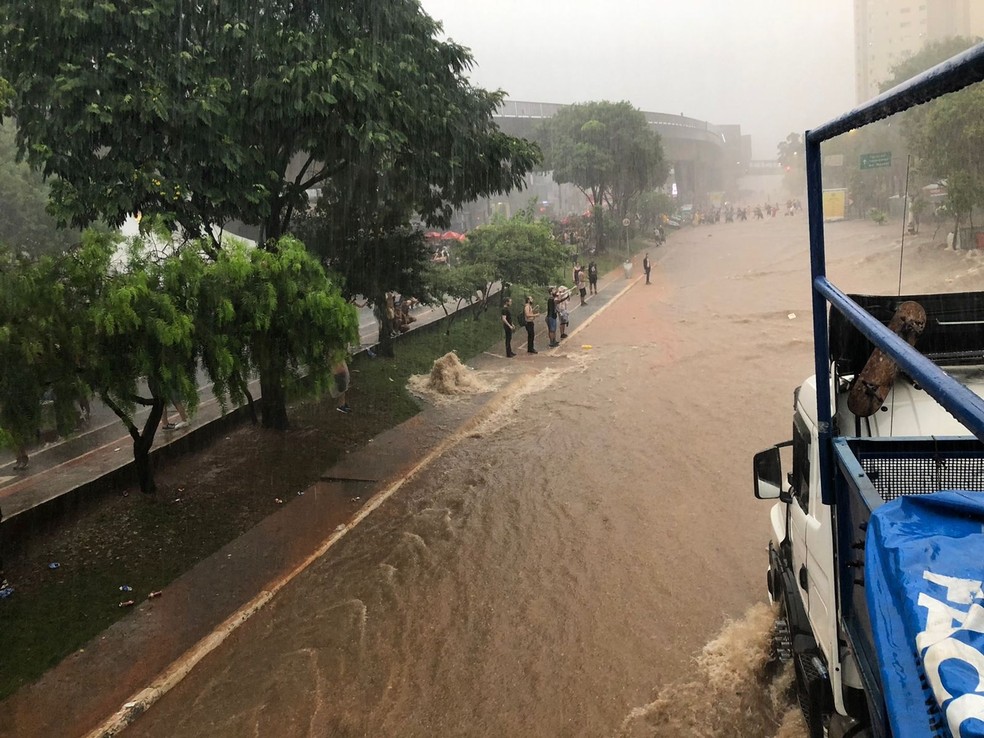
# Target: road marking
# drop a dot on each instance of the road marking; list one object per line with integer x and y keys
{"x": 172, "y": 675}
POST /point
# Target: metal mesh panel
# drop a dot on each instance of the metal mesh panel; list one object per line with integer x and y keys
{"x": 894, "y": 477}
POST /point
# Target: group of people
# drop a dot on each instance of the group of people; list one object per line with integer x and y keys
{"x": 398, "y": 317}
{"x": 730, "y": 213}
{"x": 558, "y": 313}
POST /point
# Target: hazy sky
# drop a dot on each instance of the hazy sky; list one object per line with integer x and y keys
{"x": 772, "y": 66}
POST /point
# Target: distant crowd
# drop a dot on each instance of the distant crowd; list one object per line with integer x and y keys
{"x": 730, "y": 213}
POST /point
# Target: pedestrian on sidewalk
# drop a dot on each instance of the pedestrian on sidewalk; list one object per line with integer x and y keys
{"x": 563, "y": 314}
{"x": 507, "y": 326}
{"x": 529, "y": 316}
{"x": 182, "y": 413}
{"x": 593, "y": 277}
{"x": 646, "y": 267}
{"x": 582, "y": 286}
{"x": 552, "y": 316}
{"x": 341, "y": 379}
{"x": 23, "y": 460}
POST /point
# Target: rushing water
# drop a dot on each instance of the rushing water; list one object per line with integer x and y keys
{"x": 559, "y": 572}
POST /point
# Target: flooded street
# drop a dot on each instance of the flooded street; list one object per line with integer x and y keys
{"x": 563, "y": 565}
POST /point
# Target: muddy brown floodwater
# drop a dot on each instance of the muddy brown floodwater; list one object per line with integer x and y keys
{"x": 560, "y": 572}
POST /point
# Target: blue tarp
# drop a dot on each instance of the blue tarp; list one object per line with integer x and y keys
{"x": 924, "y": 562}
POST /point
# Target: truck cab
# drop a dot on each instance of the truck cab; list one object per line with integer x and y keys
{"x": 876, "y": 557}
{"x": 803, "y": 572}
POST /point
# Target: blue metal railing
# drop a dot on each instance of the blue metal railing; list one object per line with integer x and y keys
{"x": 954, "y": 74}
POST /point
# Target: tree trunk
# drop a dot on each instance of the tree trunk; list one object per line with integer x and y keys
{"x": 244, "y": 388}
{"x": 385, "y": 347}
{"x": 599, "y": 219}
{"x": 142, "y": 444}
{"x": 273, "y": 405}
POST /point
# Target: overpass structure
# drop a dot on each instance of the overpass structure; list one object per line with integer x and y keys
{"x": 706, "y": 159}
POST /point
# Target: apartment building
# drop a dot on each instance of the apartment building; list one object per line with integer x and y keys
{"x": 888, "y": 31}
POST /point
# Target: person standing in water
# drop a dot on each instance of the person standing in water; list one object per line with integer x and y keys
{"x": 646, "y": 267}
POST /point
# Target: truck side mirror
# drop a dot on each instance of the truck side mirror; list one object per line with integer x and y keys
{"x": 767, "y": 467}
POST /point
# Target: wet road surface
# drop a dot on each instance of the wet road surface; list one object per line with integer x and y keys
{"x": 558, "y": 568}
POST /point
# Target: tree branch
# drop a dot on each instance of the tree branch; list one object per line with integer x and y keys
{"x": 134, "y": 433}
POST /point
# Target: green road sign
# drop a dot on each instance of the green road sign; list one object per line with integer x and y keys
{"x": 874, "y": 161}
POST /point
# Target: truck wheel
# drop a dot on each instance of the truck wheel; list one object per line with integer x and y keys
{"x": 812, "y": 690}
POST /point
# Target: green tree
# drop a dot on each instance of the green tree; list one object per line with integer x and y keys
{"x": 39, "y": 346}
{"x": 518, "y": 251}
{"x": 608, "y": 151}
{"x": 463, "y": 283}
{"x": 650, "y": 206}
{"x": 946, "y": 134}
{"x": 233, "y": 110}
{"x": 297, "y": 320}
{"x": 25, "y": 224}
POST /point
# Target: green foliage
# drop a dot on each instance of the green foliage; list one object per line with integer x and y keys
{"x": 297, "y": 321}
{"x": 25, "y": 224}
{"x": 948, "y": 142}
{"x": 37, "y": 348}
{"x": 135, "y": 333}
{"x": 518, "y": 251}
{"x": 878, "y": 216}
{"x": 608, "y": 151}
{"x": 199, "y": 114}
{"x": 650, "y": 206}
{"x": 946, "y": 134}
{"x": 215, "y": 111}
{"x": 928, "y": 56}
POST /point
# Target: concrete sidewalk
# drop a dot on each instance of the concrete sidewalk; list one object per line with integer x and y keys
{"x": 161, "y": 639}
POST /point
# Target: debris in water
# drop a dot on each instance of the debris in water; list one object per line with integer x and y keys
{"x": 155, "y": 595}
{"x": 278, "y": 500}
{"x": 586, "y": 346}
{"x": 126, "y": 603}
{"x": 54, "y": 565}
{"x": 791, "y": 316}
{"x": 126, "y": 588}
{"x": 339, "y": 528}
{"x": 6, "y": 592}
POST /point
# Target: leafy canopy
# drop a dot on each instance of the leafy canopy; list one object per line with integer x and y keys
{"x": 607, "y": 150}
{"x": 232, "y": 110}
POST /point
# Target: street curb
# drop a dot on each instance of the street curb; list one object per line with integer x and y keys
{"x": 144, "y": 699}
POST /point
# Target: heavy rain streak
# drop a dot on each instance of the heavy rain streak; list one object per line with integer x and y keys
{"x": 396, "y": 367}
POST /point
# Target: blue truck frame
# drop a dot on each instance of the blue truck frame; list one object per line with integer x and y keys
{"x": 844, "y": 480}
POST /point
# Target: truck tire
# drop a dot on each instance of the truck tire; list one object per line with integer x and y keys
{"x": 813, "y": 692}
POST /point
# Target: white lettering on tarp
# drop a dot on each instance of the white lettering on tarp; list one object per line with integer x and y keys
{"x": 937, "y": 644}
